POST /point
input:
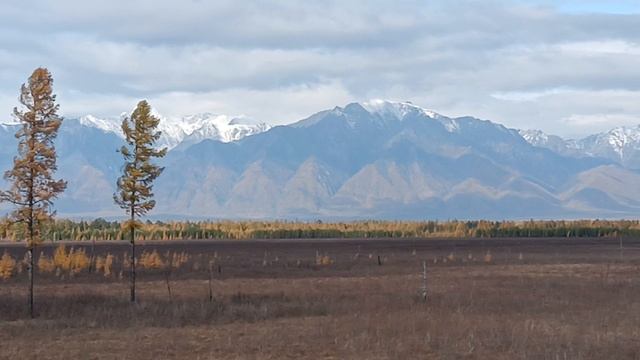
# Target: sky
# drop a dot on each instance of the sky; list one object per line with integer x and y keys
{"x": 570, "y": 68}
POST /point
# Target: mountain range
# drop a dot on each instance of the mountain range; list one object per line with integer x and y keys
{"x": 371, "y": 160}
{"x": 620, "y": 145}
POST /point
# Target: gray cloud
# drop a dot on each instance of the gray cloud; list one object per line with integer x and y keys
{"x": 521, "y": 63}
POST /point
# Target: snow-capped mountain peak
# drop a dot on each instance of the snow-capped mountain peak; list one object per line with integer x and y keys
{"x": 534, "y": 137}
{"x": 188, "y": 129}
{"x": 620, "y": 139}
{"x": 621, "y": 144}
{"x": 390, "y": 111}
{"x": 397, "y": 110}
{"x": 195, "y": 128}
{"x": 106, "y": 125}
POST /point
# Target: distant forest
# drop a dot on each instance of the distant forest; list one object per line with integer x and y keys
{"x": 100, "y": 229}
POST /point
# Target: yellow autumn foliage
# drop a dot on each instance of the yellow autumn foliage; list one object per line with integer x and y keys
{"x": 79, "y": 261}
{"x": 177, "y": 260}
{"x": 46, "y": 264}
{"x": 323, "y": 260}
{"x": 104, "y": 264}
{"x": 60, "y": 258}
{"x": 151, "y": 260}
{"x": 7, "y": 265}
{"x": 99, "y": 263}
{"x": 107, "y": 266}
{"x": 73, "y": 261}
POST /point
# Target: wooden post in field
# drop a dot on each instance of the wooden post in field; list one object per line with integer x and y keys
{"x": 210, "y": 275}
{"x": 167, "y": 273}
{"x": 424, "y": 289}
{"x": 93, "y": 255}
{"x": 379, "y": 261}
{"x": 621, "y": 249}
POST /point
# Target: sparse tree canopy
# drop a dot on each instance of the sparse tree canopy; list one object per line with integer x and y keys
{"x": 33, "y": 187}
{"x": 135, "y": 186}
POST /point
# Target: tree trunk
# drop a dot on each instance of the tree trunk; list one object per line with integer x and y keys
{"x": 31, "y": 245}
{"x": 31, "y": 273}
{"x": 133, "y": 259}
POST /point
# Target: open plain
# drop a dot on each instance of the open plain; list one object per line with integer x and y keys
{"x": 520, "y": 298}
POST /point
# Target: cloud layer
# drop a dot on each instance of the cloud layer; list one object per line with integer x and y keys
{"x": 569, "y": 70}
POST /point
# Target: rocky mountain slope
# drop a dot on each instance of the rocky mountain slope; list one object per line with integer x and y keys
{"x": 377, "y": 159}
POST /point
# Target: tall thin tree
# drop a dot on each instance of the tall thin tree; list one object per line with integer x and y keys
{"x": 33, "y": 187}
{"x": 135, "y": 185}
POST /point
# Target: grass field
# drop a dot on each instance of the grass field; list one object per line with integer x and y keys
{"x": 324, "y": 299}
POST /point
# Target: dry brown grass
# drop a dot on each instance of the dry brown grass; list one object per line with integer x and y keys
{"x": 476, "y": 310}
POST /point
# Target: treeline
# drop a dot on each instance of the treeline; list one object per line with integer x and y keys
{"x": 101, "y": 229}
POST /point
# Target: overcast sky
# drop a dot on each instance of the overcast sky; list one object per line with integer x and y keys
{"x": 566, "y": 67}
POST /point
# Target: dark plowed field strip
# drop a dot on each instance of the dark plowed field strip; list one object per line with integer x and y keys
{"x": 355, "y": 257}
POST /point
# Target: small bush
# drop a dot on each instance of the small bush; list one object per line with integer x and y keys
{"x": 108, "y": 265}
{"x": 7, "y": 265}
{"x": 488, "y": 258}
{"x": 152, "y": 260}
{"x": 46, "y": 264}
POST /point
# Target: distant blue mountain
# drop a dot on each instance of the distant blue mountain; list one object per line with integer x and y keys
{"x": 377, "y": 159}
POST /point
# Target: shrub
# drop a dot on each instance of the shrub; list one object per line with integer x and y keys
{"x": 488, "y": 258}
{"x": 7, "y": 264}
{"x": 72, "y": 262}
{"x": 177, "y": 260}
{"x": 60, "y": 258}
{"x": 99, "y": 263}
{"x": 152, "y": 260}
{"x": 46, "y": 264}
{"x": 108, "y": 265}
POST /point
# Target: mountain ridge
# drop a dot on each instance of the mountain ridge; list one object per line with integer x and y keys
{"x": 620, "y": 144}
{"x": 188, "y": 129}
{"x": 377, "y": 159}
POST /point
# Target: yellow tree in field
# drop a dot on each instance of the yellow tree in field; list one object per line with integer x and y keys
{"x": 33, "y": 187}
{"x": 135, "y": 186}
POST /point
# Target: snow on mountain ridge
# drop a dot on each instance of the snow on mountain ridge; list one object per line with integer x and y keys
{"x": 621, "y": 144}
{"x": 190, "y": 128}
{"x": 620, "y": 138}
{"x": 400, "y": 109}
{"x": 106, "y": 125}
{"x": 534, "y": 137}
{"x": 397, "y": 109}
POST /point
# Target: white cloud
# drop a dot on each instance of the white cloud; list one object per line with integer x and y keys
{"x": 523, "y": 65}
{"x": 597, "y": 120}
{"x": 528, "y": 96}
{"x": 274, "y": 106}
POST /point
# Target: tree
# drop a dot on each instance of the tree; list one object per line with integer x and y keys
{"x": 33, "y": 187}
{"x": 135, "y": 185}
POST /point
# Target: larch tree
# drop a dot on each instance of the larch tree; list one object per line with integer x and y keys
{"x": 33, "y": 187}
{"x": 135, "y": 186}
